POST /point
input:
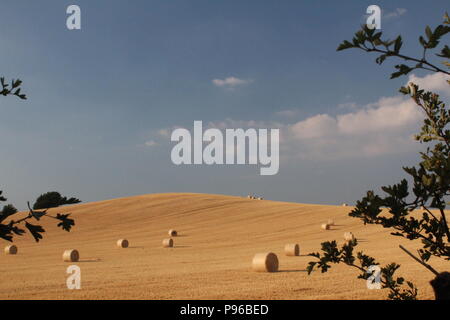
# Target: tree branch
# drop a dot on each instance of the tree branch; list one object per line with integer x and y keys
{"x": 426, "y": 265}
{"x": 393, "y": 54}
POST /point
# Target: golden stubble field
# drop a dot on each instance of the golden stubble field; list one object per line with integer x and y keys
{"x": 211, "y": 259}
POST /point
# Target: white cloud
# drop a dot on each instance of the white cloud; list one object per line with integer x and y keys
{"x": 151, "y": 143}
{"x": 347, "y": 105}
{"x": 230, "y": 82}
{"x": 318, "y": 126}
{"x": 164, "y": 133}
{"x": 384, "y": 127}
{"x": 395, "y": 13}
{"x": 389, "y": 114}
{"x": 432, "y": 82}
{"x": 381, "y": 128}
{"x": 244, "y": 124}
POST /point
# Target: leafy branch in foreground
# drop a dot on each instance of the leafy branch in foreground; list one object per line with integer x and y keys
{"x": 333, "y": 254}
{"x": 12, "y": 89}
{"x": 8, "y": 230}
{"x": 11, "y": 228}
{"x": 397, "y": 210}
{"x": 370, "y": 40}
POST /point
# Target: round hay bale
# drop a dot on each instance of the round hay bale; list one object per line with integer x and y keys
{"x": 122, "y": 243}
{"x": 172, "y": 233}
{"x": 167, "y": 243}
{"x": 249, "y": 197}
{"x": 292, "y": 249}
{"x": 265, "y": 262}
{"x": 12, "y": 249}
{"x": 71, "y": 255}
{"x": 260, "y": 198}
{"x": 348, "y": 236}
{"x": 344, "y": 204}
{"x": 325, "y": 226}
{"x": 330, "y": 222}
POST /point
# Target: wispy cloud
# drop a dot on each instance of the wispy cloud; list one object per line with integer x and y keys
{"x": 432, "y": 82}
{"x": 164, "y": 132}
{"x": 287, "y": 113}
{"x": 395, "y": 13}
{"x": 348, "y": 105}
{"x": 383, "y": 127}
{"x": 230, "y": 82}
{"x": 151, "y": 143}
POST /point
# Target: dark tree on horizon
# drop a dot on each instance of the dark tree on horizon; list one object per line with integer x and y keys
{"x": 53, "y": 199}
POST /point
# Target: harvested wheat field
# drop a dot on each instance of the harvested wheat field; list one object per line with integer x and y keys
{"x": 217, "y": 239}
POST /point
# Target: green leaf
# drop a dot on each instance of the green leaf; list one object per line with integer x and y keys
{"x": 345, "y": 45}
{"x": 423, "y": 42}
{"x": 398, "y": 44}
{"x": 446, "y": 18}
{"x": 428, "y": 32}
{"x": 402, "y": 70}
{"x": 405, "y": 90}
{"x": 35, "y": 231}
{"x": 66, "y": 223}
{"x": 381, "y": 58}
{"x": 16, "y": 83}
{"x": 445, "y": 52}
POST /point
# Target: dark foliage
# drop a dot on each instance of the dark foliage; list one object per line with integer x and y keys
{"x": 12, "y": 227}
{"x": 52, "y": 199}
{"x": 441, "y": 286}
{"x": 11, "y": 89}
{"x": 431, "y": 179}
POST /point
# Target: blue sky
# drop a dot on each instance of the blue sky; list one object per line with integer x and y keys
{"x": 101, "y": 97}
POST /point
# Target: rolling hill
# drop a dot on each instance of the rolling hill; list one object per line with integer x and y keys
{"x": 211, "y": 259}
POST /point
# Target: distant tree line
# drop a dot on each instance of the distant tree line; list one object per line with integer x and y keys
{"x": 52, "y": 199}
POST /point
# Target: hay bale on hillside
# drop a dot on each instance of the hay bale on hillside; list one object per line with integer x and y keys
{"x": 260, "y": 198}
{"x": 122, "y": 243}
{"x": 71, "y": 255}
{"x": 167, "y": 243}
{"x": 348, "y": 236}
{"x": 12, "y": 249}
{"x": 292, "y": 249}
{"x": 265, "y": 262}
{"x": 344, "y": 204}
{"x": 325, "y": 226}
{"x": 173, "y": 233}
